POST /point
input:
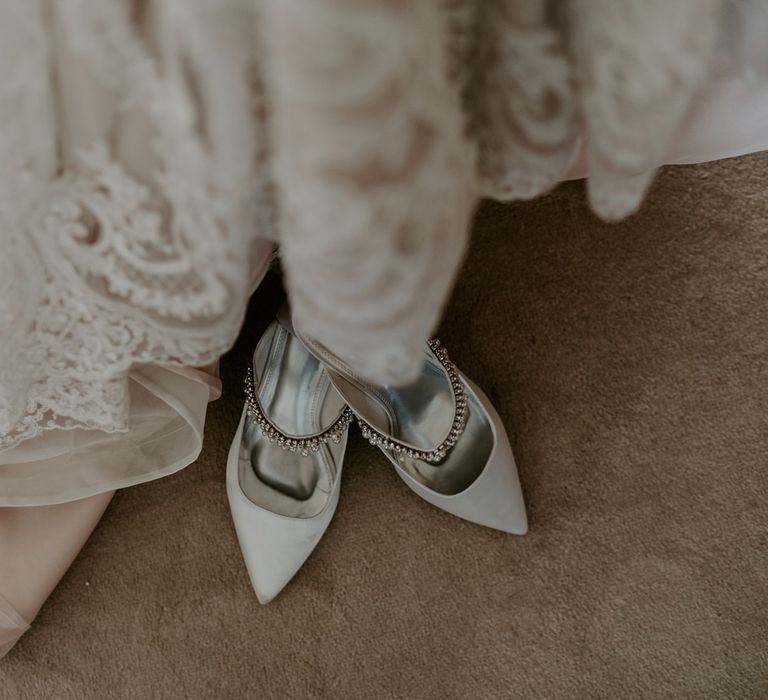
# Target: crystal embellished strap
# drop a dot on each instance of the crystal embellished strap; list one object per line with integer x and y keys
{"x": 303, "y": 445}
{"x": 387, "y": 442}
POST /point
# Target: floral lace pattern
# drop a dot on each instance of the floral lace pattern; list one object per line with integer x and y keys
{"x": 639, "y": 64}
{"x": 521, "y": 98}
{"x": 370, "y": 156}
{"x": 141, "y": 140}
{"x": 127, "y": 238}
{"x": 373, "y": 170}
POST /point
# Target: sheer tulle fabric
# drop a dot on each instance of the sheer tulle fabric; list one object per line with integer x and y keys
{"x": 164, "y": 434}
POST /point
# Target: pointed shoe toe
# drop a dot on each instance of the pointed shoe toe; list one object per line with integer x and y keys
{"x": 285, "y": 462}
{"x": 495, "y": 498}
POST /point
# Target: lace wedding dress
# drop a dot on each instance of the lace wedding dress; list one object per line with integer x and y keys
{"x": 142, "y": 141}
{"x": 134, "y": 212}
{"x": 153, "y": 151}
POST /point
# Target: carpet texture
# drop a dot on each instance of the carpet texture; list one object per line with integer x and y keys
{"x": 629, "y": 363}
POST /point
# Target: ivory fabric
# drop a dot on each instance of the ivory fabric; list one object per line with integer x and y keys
{"x": 129, "y": 191}
{"x": 37, "y": 546}
{"x": 390, "y": 118}
{"x": 164, "y": 434}
{"x": 12, "y": 626}
{"x": 153, "y": 150}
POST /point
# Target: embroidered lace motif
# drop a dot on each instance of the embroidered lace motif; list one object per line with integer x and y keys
{"x": 131, "y": 193}
{"x": 136, "y": 176}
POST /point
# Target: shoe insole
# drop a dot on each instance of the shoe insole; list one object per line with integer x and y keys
{"x": 421, "y": 415}
{"x": 296, "y": 396}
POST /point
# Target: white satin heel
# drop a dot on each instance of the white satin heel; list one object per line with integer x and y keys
{"x": 494, "y": 498}
{"x": 285, "y": 462}
{"x": 443, "y": 437}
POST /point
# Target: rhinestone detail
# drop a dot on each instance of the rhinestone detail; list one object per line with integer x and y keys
{"x": 303, "y": 446}
{"x": 387, "y": 442}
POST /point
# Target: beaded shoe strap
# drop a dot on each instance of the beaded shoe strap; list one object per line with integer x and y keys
{"x": 387, "y": 442}
{"x": 303, "y": 445}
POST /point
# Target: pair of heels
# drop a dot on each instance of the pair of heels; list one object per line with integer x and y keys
{"x": 441, "y": 434}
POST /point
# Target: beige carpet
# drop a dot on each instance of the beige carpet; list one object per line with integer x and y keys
{"x": 630, "y": 365}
